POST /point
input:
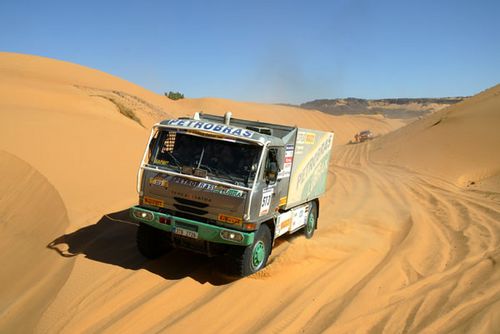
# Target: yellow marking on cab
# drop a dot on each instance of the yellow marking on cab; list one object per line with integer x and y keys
{"x": 229, "y": 219}
{"x": 286, "y": 223}
{"x": 310, "y": 138}
{"x": 158, "y": 181}
{"x": 154, "y": 202}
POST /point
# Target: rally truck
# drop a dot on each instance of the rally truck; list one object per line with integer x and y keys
{"x": 228, "y": 187}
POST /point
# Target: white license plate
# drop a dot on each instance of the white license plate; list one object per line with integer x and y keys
{"x": 186, "y": 233}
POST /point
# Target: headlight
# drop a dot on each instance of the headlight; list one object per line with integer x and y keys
{"x": 143, "y": 215}
{"x": 231, "y": 236}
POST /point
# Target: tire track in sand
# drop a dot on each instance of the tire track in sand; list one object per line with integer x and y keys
{"x": 450, "y": 233}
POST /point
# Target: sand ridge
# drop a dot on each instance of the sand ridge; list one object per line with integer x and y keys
{"x": 404, "y": 245}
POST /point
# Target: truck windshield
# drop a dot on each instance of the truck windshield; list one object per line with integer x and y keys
{"x": 227, "y": 161}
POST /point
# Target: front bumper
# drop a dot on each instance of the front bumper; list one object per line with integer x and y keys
{"x": 207, "y": 232}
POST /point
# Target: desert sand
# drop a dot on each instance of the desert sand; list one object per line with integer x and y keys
{"x": 408, "y": 237}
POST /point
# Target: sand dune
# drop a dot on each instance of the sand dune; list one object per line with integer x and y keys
{"x": 31, "y": 212}
{"x": 459, "y": 144}
{"x": 406, "y": 243}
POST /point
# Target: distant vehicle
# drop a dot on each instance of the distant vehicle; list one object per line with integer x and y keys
{"x": 363, "y": 136}
{"x": 222, "y": 186}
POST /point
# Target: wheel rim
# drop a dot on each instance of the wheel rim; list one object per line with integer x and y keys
{"x": 258, "y": 254}
{"x": 310, "y": 223}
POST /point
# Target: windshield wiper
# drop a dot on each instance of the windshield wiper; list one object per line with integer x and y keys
{"x": 201, "y": 157}
{"x": 225, "y": 175}
{"x": 175, "y": 160}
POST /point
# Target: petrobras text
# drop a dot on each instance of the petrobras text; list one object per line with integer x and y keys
{"x": 213, "y": 127}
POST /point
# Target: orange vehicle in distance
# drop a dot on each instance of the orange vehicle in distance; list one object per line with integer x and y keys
{"x": 363, "y": 136}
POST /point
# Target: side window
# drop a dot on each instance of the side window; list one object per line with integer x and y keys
{"x": 271, "y": 166}
{"x": 272, "y": 157}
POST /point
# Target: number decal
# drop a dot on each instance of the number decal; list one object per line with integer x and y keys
{"x": 267, "y": 195}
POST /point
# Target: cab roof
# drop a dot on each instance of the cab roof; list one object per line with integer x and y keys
{"x": 253, "y": 131}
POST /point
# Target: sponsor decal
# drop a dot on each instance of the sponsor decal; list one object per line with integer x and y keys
{"x": 211, "y": 135}
{"x": 283, "y": 223}
{"x": 160, "y": 162}
{"x": 159, "y": 180}
{"x": 286, "y": 224}
{"x": 265, "y": 204}
{"x": 217, "y": 189}
{"x": 287, "y": 165}
{"x": 314, "y": 162}
{"x": 212, "y": 127}
{"x": 308, "y": 138}
{"x": 298, "y": 218}
{"x": 310, "y": 168}
{"x": 229, "y": 219}
{"x": 153, "y": 201}
{"x": 191, "y": 196}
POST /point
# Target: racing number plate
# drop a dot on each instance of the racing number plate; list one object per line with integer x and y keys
{"x": 186, "y": 233}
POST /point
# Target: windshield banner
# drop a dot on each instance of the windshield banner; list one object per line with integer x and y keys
{"x": 212, "y": 127}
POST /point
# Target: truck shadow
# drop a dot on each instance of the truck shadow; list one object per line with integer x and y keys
{"x": 112, "y": 240}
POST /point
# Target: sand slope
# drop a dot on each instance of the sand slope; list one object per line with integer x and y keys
{"x": 31, "y": 212}
{"x": 459, "y": 143}
{"x": 403, "y": 245}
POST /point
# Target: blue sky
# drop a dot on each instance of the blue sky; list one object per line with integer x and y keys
{"x": 270, "y": 51}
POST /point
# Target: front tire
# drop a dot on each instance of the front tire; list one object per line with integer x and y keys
{"x": 250, "y": 259}
{"x": 152, "y": 242}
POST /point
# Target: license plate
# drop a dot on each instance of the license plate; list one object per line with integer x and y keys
{"x": 186, "y": 233}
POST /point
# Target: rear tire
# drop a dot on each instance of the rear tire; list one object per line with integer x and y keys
{"x": 311, "y": 222}
{"x": 152, "y": 242}
{"x": 248, "y": 260}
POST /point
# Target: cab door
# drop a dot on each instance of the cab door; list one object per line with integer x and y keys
{"x": 270, "y": 189}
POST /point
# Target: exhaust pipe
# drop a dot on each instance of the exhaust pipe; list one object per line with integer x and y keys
{"x": 227, "y": 117}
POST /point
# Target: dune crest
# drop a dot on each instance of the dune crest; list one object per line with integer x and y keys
{"x": 31, "y": 212}
{"x": 456, "y": 143}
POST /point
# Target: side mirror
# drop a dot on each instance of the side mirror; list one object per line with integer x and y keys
{"x": 272, "y": 172}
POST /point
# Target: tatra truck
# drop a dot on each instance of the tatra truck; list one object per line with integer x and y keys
{"x": 229, "y": 187}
